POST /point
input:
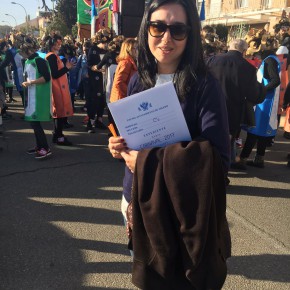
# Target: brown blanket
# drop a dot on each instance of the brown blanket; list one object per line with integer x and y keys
{"x": 180, "y": 234}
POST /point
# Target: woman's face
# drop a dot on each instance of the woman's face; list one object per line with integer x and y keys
{"x": 166, "y": 50}
{"x": 57, "y": 45}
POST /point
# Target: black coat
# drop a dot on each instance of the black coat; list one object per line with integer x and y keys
{"x": 239, "y": 83}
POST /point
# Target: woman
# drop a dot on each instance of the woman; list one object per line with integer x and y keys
{"x": 169, "y": 184}
{"x": 125, "y": 69}
{"x": 61, "y": 100}
{"x": 82, "y": 69}
{"x": 38, "y": 90}
{"x": 266, "y": 120}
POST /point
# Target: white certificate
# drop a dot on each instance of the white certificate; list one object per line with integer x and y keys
{"x": 152, "y": 118}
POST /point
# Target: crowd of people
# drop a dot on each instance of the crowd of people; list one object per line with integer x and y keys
{"x": 173, "y": 202}
{"x": 65, "y": 70}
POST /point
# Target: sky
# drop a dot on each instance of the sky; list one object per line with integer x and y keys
{"x": 18, "y": 12}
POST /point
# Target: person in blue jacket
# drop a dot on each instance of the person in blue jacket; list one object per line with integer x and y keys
{"x": 266, "y": 120}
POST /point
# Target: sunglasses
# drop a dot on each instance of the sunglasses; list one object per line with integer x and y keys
{"x": 177, "y": 31}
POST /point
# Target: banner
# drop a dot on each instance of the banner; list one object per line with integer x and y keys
{"x": 84, "y": 11}
{"x": 103, "y": 15}
{"x": 94, "y": 13}
{"x": 103, "y": 11}
{"x": 202, "y": 11}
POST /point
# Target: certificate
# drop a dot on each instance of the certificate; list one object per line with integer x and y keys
{"x": 152, "y": 118}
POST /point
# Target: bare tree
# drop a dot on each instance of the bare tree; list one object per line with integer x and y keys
{"x": 45, "y": 6}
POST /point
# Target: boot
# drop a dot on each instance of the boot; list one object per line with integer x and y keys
{"x": 257, "y": 162}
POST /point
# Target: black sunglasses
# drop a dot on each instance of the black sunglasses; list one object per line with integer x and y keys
{"x": 177, "y": 31}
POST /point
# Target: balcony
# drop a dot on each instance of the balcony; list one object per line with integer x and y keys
{"x": 233, "y": 12}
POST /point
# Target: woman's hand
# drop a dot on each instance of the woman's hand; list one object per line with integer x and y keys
{"x": 70, "y": 64}
{"x": 95, "y": 68}
{"x": 116, "y": 146}
{"x": 26, "y": 84}
{"x": 130, "y": 157}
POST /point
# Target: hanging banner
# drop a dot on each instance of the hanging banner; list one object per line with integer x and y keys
{"x": 104, "y": 11}
{"x": 103, "y": 15}
{"x": 84, "y": 11}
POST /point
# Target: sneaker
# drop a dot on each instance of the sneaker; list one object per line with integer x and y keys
{"x": 32, "y": 151}
{"x": 239, "y": 142}
{"x": 42, "y": 153}
{"x": 62, "y": 141}
{"x": 100, "y": 125}
{"x": 90, "y": 128}
{"x": 11, "y": 101}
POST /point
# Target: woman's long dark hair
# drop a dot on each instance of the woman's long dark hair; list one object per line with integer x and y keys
{"x": 191, "y": 63}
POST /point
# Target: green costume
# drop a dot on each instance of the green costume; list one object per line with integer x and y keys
{"x": 37, "y": 97}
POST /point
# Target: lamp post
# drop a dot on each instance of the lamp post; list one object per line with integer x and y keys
{"x": 13, "y": 17}
{"x": 26, "y": 16}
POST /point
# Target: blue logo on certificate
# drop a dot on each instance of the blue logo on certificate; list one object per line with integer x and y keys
{"x": 144, "y": 106}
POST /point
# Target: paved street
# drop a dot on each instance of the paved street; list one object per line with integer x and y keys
{"x": 61, "y": 226}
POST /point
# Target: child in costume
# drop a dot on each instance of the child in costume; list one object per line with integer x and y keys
{"x": 37, "y": 86}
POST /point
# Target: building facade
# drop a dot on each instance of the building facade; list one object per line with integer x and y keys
{"x": 250, "y": 13}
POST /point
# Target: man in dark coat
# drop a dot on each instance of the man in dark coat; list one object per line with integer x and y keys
{"x": 239, "y": 83}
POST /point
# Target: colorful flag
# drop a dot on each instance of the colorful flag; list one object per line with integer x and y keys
{"x": 115, "y": 6}
{"x": 94, "y": 13}
{"x": 202, "y": 11}
{"x": 84, "y": 11}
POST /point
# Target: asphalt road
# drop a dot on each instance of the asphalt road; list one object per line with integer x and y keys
{"x": 61, "y": 226}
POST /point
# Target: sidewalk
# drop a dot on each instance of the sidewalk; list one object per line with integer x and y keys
{"x": 61, "y": 226}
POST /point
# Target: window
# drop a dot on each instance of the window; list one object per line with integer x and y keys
{"x": 241, "y": 3}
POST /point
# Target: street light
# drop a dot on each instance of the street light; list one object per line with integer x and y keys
{"x": 7, "y": 22}
{"x": 13, "y": 17}
{"x": 25, "y": 14}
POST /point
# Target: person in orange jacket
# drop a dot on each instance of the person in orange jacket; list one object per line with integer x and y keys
{"x": 125, "y": 69}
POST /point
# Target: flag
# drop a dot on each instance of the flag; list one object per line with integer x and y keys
{"x": 202, "y": 11}
{"x": 115, "y": 16}
{"x": 94, "y": 13}
{"x": 116, "y": 6}
{"x": 84, "y": 12}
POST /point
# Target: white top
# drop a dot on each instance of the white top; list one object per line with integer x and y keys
{"x": 163, "y": 78}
